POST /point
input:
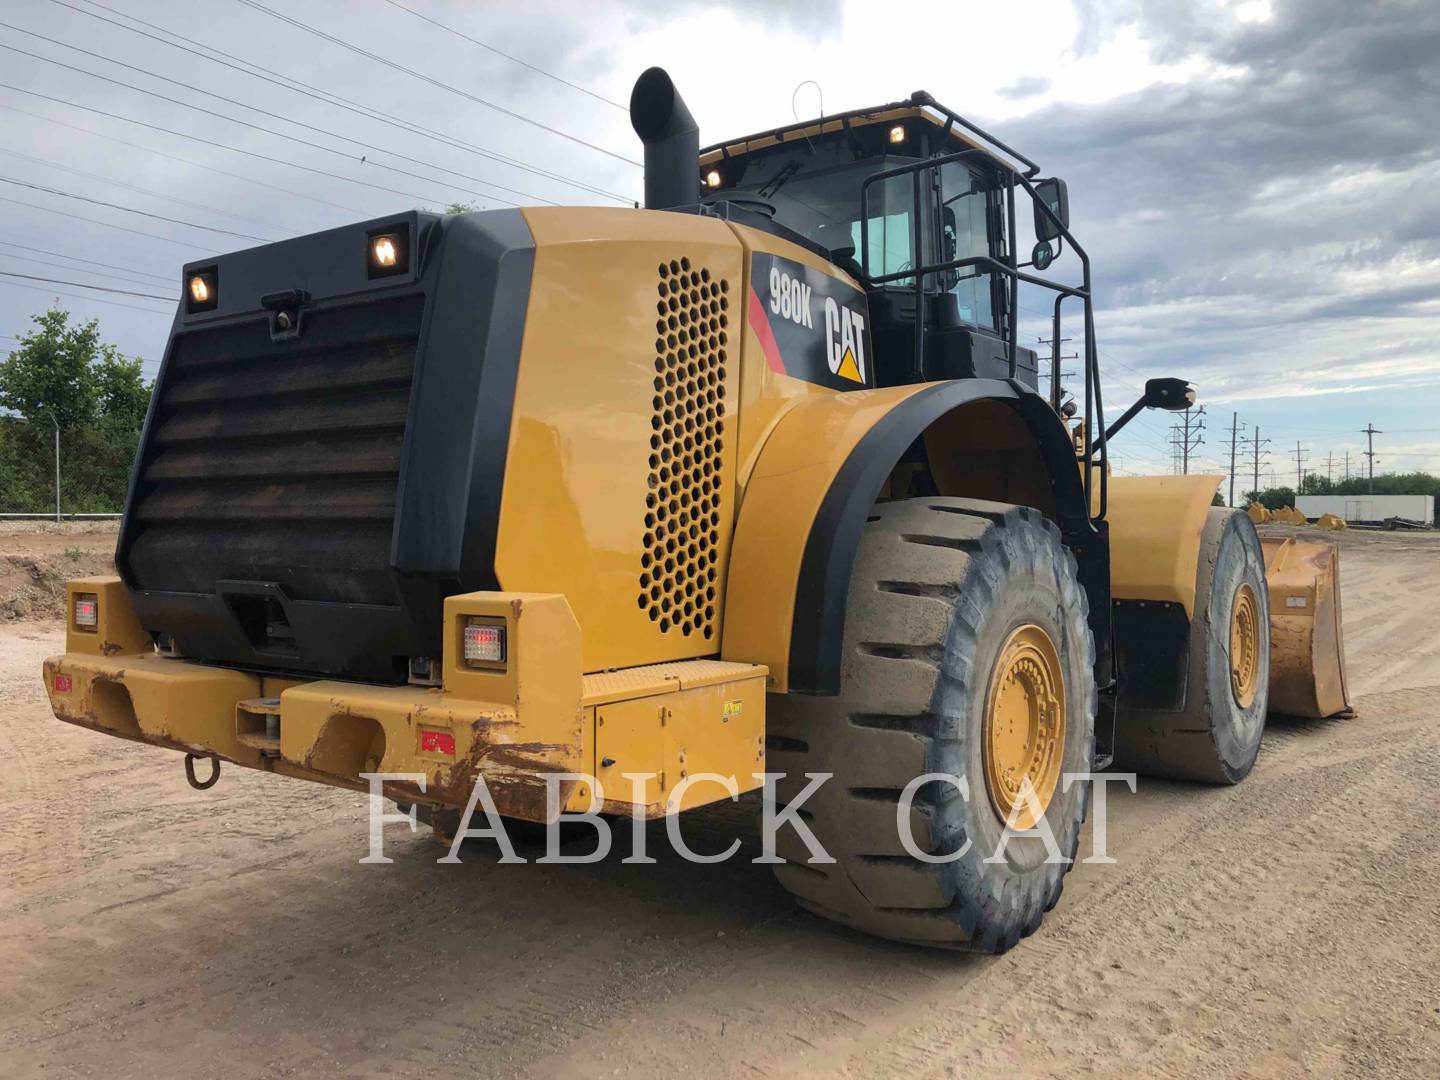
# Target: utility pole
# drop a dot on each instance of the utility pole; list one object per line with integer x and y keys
{"x": 56, "y": 422}
{"x": 1234, "y": 429}
{"x": 1299, "y": 468}
{"x": 1188, "y": 437}
{"x": 1370, "y": 432}
{"x": 1347, "y": 465}
{"x": 1329, "y": 464}
{"x": 1257, "y": 451}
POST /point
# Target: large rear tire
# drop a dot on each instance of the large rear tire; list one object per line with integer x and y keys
{"x": 1216, "y": 736}
{"x": 967, "y": 652}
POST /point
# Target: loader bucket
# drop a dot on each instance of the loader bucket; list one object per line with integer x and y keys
{"x": 1307, "y": 653}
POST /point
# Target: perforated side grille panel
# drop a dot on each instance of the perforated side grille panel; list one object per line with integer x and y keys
{"x": 682, "y": 507}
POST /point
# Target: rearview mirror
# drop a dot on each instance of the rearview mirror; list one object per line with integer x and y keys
{"x": 1052, "y": 193}
{"x": 1172, "y": 395}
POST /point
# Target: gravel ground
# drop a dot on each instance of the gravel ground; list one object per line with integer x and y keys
{"x": 1287, "y": 926}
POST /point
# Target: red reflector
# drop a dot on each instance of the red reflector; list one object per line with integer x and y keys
{"x": 437, "y": 742}
{"x": 63, "y": 685}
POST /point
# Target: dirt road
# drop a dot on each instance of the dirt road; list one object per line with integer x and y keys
{"x": 1289, "y": 925}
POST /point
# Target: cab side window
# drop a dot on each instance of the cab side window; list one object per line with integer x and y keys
{"x": 964, "y": 218}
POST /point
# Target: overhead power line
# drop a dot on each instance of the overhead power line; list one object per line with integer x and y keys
{"x": 208, "y": 142}
{"x": 285, "y": 119}
{"x": 436, "y": 82}
{"x": 507, "y": 56}
{"x": 131, "y": 187}
{"x": 91, "y": 299}
{"x": 82, "y": 285}
{"x": 30, "y": 260}
{"x": 130, "y": 209}
{"x": 173, "y": 157}
{"x": 92, "y": 262}
{"x": 297, "y": 86}
{"x": 107, "y": 224}
{"x": 246, "y": 123}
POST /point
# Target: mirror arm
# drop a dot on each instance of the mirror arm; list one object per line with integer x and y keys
{"x": 1114, "y": 428}
{"x": 1172, "y": 395}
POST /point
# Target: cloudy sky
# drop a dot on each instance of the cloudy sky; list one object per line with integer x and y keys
{"x": 1257, "y": 183}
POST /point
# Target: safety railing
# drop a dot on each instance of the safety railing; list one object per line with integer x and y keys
{"x": 1094, "y": 455}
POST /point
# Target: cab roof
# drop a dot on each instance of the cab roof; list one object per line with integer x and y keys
{"x": 960, "y": 133}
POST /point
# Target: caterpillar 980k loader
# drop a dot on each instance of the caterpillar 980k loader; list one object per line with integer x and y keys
{"x": 756, "y": 478}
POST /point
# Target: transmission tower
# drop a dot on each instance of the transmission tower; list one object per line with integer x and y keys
{"x": 1234, "y": 430}
{"x": 1187, "y": 435}
{"x": 1255, "y": 447}
{"x": 1056, "y": 390}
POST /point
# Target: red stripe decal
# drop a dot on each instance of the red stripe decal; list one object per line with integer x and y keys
{"x": 760, "y": 323}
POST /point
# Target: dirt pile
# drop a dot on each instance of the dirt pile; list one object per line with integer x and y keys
{"x": 33, "y": 586}
{"x": 37, "y": 558}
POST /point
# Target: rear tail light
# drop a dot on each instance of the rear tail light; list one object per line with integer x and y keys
{"x": 484, "y": 644}
{"x": 87, "y": 611}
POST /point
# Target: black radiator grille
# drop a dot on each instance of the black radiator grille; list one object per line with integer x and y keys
{"x": 278, "y": 462}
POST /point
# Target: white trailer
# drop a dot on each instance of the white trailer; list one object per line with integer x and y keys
{"x": 1361, "y": 508}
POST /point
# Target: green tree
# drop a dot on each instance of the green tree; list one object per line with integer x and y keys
{"x": 1272, "y": 498}
{"x": 64, "y": 373}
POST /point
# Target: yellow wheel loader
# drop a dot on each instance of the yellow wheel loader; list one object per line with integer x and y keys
{"x": 634, "y": 509}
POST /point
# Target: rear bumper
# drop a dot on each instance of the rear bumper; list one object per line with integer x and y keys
{"x": 512, "y": 727}
{"x": 328, "y": 731}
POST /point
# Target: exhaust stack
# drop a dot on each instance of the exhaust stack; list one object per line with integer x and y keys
{"x": 672, "y": 141}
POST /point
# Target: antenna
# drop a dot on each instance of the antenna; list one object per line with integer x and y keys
{"x": 795, "y": 109}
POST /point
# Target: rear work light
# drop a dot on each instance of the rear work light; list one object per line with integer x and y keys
{"x": 202, "y": 290}
{"x": 484, "y": 643}
{"x": 87, "y": 611}
{"x": 388, "y": 251}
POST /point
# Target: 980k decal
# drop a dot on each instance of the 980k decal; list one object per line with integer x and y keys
{"x": 811, "y": 326}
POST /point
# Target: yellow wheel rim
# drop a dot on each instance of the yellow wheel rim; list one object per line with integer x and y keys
{"x": 1244, "y": 646}
{"x": 1024, "y": 737}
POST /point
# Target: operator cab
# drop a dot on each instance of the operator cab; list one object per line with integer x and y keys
{"x": 809, "y": 182}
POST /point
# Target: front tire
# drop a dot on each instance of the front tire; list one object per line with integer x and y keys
{"x": 1215, "y": 737}
{"x": 967, "y": 652}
